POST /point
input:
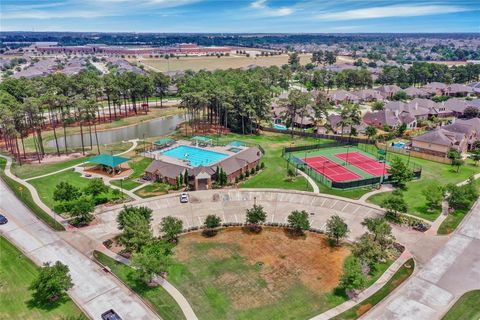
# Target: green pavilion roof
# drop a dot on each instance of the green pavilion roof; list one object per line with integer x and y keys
{"x": 163, "y": 141}
{"x": 108, "y": 160}
{"x": 202, "y": 139}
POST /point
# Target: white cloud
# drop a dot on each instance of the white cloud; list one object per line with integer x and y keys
{"x": 270, "y": 11}
{"x": 390, "y": 11}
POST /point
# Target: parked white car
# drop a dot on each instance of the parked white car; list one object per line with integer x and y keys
{"x": 184, "y": 197}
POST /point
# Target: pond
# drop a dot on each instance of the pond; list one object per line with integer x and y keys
{"x": 153, "y": 128}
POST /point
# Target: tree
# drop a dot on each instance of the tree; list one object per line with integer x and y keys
{"x": 394, "y": 204}
{"x": 400, "y": 95}
{"x": 471, "y": 112}
{"x": 434, "y": 195}
{"x": 370, "y": 131}
{"x": 134, "y": 222}
{"x": 380, "y": 230}
{"x": 212, "y": 222}
{"x": 81, "y": 209}
{"x": 457, "y": 163}
{"x": 378, "y": 106}
{"x": 65, "y": 191}
{"x": 153, "y": 259}
{"x": 51, "y": 283}
{"x": 294, "y": 61}
{"x": 368, "y": 251}
{"x": 352, "y": 277}
{"x": 298, "y": 221}
{"x": 254, "y": 217}
{"x": 337, "y": 228}
{"x": 171, "y": 227}
{"x": 399, "y": 173}
{"x": 461, "y": 197}
{"x": 401, "y": 129}
{"x": 96, "y": 187}
{"x": 475, "y": 156}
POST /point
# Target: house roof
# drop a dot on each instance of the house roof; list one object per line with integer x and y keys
{"x": 459, "y": 88}
{"x": 441, "y": 136}
{"x": 415, "y": 92}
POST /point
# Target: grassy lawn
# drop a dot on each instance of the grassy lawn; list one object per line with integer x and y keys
{"x": 466, "y": 308}
{"x": 46, "y": 186}
{"x": 138, "y": 165}
{"x": 433, "y": 173}
{"x": 236, "y": 275}
{"x": 17, "y": 273}
{"x": 26, "y": 171}
{"x": 25, "y": 196}
{"x": 398, "y": 278}
{"x": 152, "y": 190}
{"x": 451, "y": 222}
{"x": 156, "y": 297}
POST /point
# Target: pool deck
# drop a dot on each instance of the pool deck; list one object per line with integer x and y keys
{"x": 157, "y": 154}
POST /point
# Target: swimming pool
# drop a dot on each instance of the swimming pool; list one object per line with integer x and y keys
{"x": 196, "y": 156}
{"x": 236, "y": 143}
{"x": 399, "y": 145}
{"x": 279, "y": 126}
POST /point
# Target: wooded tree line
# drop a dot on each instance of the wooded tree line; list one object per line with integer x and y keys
{"x": 55, "y": 102}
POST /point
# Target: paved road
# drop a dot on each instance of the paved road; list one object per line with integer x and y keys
{"x": 452, "y": 271}
{"x": 94, "y": 290}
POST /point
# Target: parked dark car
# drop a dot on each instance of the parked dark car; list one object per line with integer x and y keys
{"x": 110, "y": 315}
{"x": 3, "y": 219}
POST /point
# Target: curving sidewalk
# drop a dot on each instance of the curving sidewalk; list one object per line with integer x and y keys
{"x": 172, "y": 291}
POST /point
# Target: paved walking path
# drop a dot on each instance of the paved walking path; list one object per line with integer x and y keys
{"x": 94, "y": 290}
{"x": 172, "y": 291}
{"x": 365, "y": 294}
{"x": 310, "y": 181}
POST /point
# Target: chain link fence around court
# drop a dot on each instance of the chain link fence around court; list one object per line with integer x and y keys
{"x": 288, "y": 154}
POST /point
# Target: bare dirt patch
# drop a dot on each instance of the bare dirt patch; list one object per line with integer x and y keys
{"x": 258, "y": 269}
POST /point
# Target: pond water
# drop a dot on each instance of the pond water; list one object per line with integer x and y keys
{"x": 153, "y": 128}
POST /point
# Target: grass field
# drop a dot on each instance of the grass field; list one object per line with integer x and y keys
{"x": 138, "y": 165}
{"x": 433, "y": 173}
{"x": 466, "y": 308}
{"x": 213, "y": 63}
{"x": 152, "y": 190}
{"x": 156, "y": 297}
{"x": 238, "y": 275}
{"x": 397, "y": 279}
{"x": 451, "y": 222}
{"x": 25, "y": 196}
{"x": 26, "y": 171}
{"x": 17, "y": 273}
{"x": 46, "y": 186}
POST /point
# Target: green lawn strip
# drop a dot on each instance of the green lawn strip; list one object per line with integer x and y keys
{"x": 156, "y": 297}
{"x": 46, "y": 186}
{"x": 17, "y": 273}
{"x": 451, "y": 222}
{"x": 355, "y": 193}
{"x": 466, "y": 308}
{"x": 152, "y": 190}
{"x": 25, "y": 196}
{"x": 397, "y": 279}
{"x": 138, "y": 165}
{"x": 433, "y": 173}
{"x": 26, "y": 171}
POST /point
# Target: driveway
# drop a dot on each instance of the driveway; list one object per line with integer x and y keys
{"x": 94, "y": 290}
{"x": 452, "y": 271}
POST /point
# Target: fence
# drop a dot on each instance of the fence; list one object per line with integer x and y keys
{"x": 341, "y": 139}
{"x": 415, "y": 154}
{"x": 368, "y": 148}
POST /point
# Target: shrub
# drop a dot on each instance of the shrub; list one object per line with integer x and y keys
{"x": 262, "y": 165}
{"x": 252, "y": 172}
{"x": 247, "y": 174}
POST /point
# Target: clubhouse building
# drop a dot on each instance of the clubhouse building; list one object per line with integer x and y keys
{"x": 200, "y": 161}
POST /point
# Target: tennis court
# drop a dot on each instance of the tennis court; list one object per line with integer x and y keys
{"x": 331, "y": 170}
{"x": 365, "y": 163}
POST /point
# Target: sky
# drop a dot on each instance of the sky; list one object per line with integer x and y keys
{"x": 241, "y": 16}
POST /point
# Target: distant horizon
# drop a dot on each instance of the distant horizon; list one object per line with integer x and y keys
{"x": 238, "y": 33}
{"x": 245, "y": 16}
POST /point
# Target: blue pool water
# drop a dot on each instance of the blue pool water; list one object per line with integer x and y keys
{"x": 399, "y": 145}
{"x": 196, "y": 156}
{"x": 279, "y": 126}
{"x": 236, "y": 143}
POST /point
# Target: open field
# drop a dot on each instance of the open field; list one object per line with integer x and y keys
{"x": 16, "y": 275}
{"x": 26, "y": 171}
{"x": 213, "y": 63}
{"x": 153, "y": 190}
{"x": 397, "y": 279}
{"x": 466, "y": 308}
{"x": 238, "y": 275}
{"x": 156, "y": 297}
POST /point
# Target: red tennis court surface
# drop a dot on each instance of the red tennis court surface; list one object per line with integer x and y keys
{"x": 365, "y": 163}
{"x": 330, "y": 169}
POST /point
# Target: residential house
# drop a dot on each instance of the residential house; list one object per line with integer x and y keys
{"x": 390, "y": 118}
{"x": 458, "y": 90}
{"x": 439, "y": 141}
{"x": 435, "y": 88}
{"x": 414, "y": 92}
{"x": 334, "y": 125}
{"x": 388, "y": 91}
{"x": 342, "y": 96}
{"x": 368, "y": 95}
